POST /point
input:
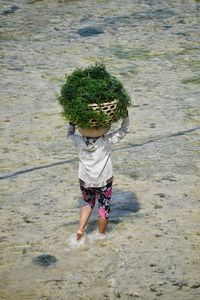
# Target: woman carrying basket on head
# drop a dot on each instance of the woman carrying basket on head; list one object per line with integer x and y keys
{"x": 95, "y": 172}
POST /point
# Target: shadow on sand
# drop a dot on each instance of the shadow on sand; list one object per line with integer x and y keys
{"x": 123, "y": 204}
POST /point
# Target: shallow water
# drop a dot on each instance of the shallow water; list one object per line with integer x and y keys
{"x": 151, "y": 249}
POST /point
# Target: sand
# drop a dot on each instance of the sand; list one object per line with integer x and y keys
{"x": 153, "y": 240}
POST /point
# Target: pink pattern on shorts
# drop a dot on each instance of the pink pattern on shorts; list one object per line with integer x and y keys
{"x": 103, "y": 213}
{"x": 102, "y": 194}
{"x": 109, "y": 192}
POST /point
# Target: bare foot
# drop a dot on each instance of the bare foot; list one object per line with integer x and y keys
{"x": 102, "y": 236}
{"x": 79, "y": 234}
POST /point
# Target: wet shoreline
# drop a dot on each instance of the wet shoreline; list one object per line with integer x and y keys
{"x": 152, "y": 247}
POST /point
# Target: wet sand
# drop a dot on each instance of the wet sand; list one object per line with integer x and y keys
{"x": 153, "y": 242}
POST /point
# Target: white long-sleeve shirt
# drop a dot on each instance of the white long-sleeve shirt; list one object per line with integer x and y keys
{"x": 95, "y": 165}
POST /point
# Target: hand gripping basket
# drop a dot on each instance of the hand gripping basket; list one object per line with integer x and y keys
{"x": 109, "y": 108}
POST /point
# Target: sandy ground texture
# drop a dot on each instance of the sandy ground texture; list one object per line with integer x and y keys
{"x": 153, "y": 241}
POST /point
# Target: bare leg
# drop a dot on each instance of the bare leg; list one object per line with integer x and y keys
{"x": 84, "y": 217}
{"x": 102, "y": 225}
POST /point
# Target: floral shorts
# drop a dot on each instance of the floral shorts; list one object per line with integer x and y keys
{"x": 102, "y": 194}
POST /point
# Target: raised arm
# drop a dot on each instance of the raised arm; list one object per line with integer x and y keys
{"x": 70, "y": 135}
{"x": 70, "y": 130}
{"x": 117, "y": 135}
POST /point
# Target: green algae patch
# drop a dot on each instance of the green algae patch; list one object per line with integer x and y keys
{"x": 193, "y": 64}
{"x": 193, "y": 80}
{"x": 134, "y": 54}
{"x": 193, "y": 114}
{"x": 146, "y": 54}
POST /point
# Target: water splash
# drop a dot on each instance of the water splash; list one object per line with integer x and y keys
{"x": 91, "y": 237}
{"x": 94, "y": 236}
{"x": 73, "y": 243}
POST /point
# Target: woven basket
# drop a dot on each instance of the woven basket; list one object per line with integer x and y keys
{"x": 109, "y": 108}
{"x": 94, "y": 132}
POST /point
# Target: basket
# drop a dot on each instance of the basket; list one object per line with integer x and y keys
{"x": 94, "y": 132}
{"x": 109, "y": 108}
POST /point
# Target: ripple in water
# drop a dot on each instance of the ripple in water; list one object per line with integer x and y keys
{"x": 72, "y": 242}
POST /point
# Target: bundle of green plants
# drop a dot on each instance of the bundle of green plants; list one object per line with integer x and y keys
{"x": 86, "y": 86}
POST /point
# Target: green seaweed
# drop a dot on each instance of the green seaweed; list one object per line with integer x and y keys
{"x": 138, "y": 53}
{"x": 146, "y": 54}
{"x": 193, "y": 64}
{"x": 91, "y": 85}
{"x": 193, "y": 80}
